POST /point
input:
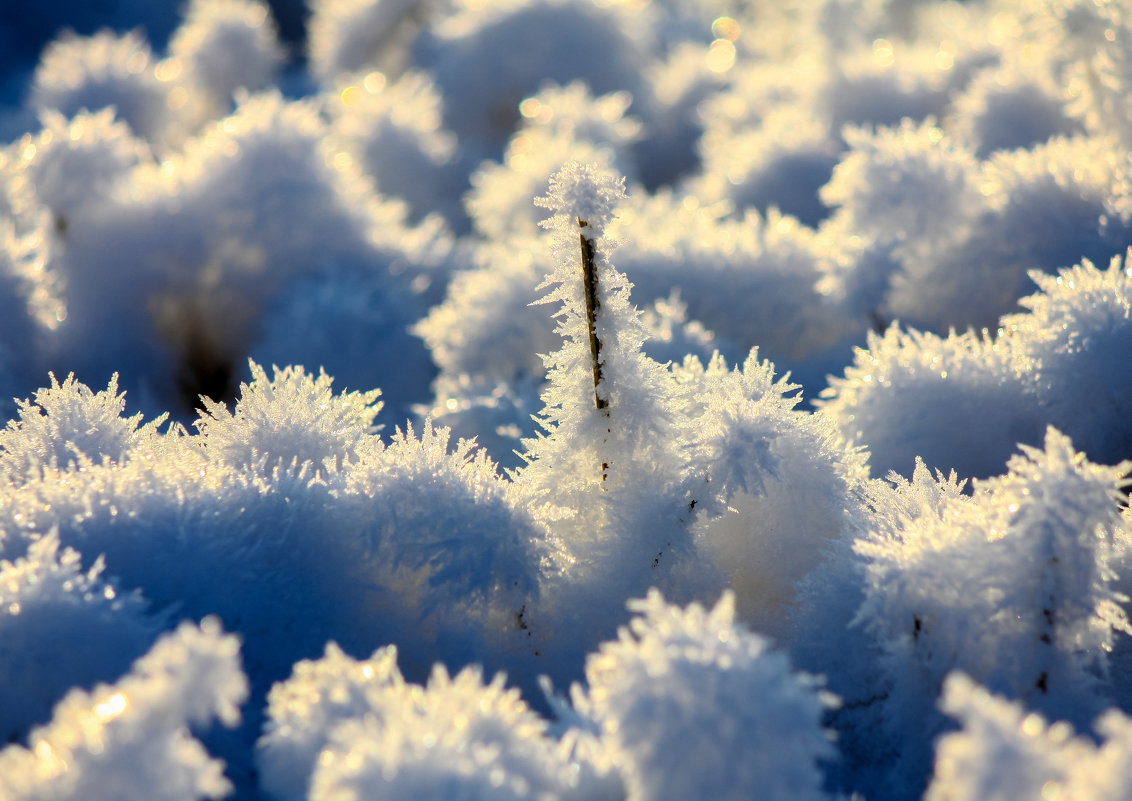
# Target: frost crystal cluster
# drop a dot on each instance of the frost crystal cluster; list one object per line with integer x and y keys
{"x": 565, "y": 400}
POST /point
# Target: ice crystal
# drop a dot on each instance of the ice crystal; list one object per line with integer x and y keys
{"x": 98, "y": 740}
{"x": 61, "y": 626}
{"x": 68, "y": 423}
{"x": 666, "y": 695}
{"x": 288, "y": 420}
{"x": 90, "y": 73}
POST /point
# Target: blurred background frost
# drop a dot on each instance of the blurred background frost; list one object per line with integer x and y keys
{"x": 348, "y": 185}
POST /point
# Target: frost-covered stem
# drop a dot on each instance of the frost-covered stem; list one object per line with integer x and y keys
{"x": 589, "y": 280}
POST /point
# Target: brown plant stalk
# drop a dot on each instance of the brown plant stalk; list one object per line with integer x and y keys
{"x": 589, "y": 282}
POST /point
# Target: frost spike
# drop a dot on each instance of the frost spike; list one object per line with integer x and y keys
{"x": 586, "y": 196}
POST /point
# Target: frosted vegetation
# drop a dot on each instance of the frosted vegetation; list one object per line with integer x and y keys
{"x": 557, "y": 399}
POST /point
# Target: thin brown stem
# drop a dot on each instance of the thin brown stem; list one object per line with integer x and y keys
{"x": 589, "y": 282}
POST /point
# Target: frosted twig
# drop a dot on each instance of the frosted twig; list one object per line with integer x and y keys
{"x": 589, "y": 281}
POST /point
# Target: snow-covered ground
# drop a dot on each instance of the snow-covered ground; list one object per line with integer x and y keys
{"x": 566, "y": 399}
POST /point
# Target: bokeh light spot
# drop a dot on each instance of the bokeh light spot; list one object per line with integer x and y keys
{"x": 721, "y": 56}
{"x": 374, "y": 82}
{"x": 351, "y": 95}
{"x": 168, "y": 70}
{"x": 883, "y": 52}
{"x": 725, "y": 28}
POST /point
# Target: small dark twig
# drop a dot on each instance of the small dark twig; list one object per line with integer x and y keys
{"x": 589, "y": 281}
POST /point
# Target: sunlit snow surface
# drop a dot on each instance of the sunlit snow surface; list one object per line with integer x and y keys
{"x": 559, "y": 399}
